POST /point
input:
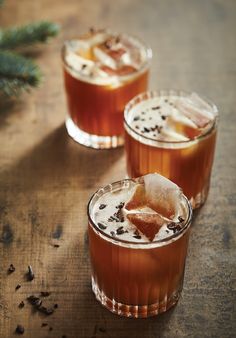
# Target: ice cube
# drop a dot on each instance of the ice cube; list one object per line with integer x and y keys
{"x": 126, "y": 70}
{"x": 107, "y": 70}
{"x": 191, "y": 108}
{"x": 148, "y": 224}
{"x": 169, "y": 134}
{"x": 138, "y": 199}
{"x": 182, "y": 124}
{"x": 104, "y": 58}
{"x": 176, "y": 116}
{"x": 76, "y": 61}
{"x": 133, "y": 54}
{"x": 162, "y": 195}
{"x": 93, "y": 39}
{"x": 195, "y": 98}
{"x": 157, "y": 193}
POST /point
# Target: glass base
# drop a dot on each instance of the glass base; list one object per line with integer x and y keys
{"x": 93, "y": 141}
{"x": 134, "y": 311}
{"x": 200, "y": 198}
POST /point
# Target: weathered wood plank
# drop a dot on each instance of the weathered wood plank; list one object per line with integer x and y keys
{"x": 46, "y": 179}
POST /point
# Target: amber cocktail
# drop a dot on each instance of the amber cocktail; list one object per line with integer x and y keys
{"x": 172, "y": 133}
{"x": 138, "y": 238}
{"x": 102, "y": 72}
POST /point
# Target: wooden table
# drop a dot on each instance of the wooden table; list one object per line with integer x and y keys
{"x": 46, "y": 178}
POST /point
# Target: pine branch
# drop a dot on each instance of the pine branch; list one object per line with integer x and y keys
{"x": 32, "y": 33}
{"x": 17, "y": 73}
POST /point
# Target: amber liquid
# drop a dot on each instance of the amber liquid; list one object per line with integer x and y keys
{"x": 98, "y": 109}
{"x": 188, "y": 167}
{"x": 145, "y": 281}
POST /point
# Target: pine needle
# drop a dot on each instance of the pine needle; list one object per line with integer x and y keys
{"x": 17, "y": 73}
{"x": 32, "y": 33}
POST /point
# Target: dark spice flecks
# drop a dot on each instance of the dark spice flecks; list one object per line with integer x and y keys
{"x": 175, "y": 227}
{"x": 119, "y": 215}
{"x": 181, "y": 219}
{"x": 121, "y": 205}
{"x": 163, "y": 117}
{"x": 101, "y": 226}
{"x": 30, "y": 274}
{"x": 158, "y": 128}
{"x": 56, "y": 245}
{"x": 155, "y": 108}
{"x": 20, "y": 329}
{"x": 37, "y": 303}
{"x": 102, "y": 206}
{"x": 21, "y": 305}
{"x": 146, "y": 130}
{"x": 137, "y": 234}
{"x": 143, "y": 113}
{"x": 32, "y": 299}
{"x": 11, "y": 268}
{"x": 45, "y": 293}
{"x": 137, "y": 127}
{"x": 84, "y": 66}
{"x": 112, "y": 233}
{"x": 136, "y": 118}
{"x": 17, "y": 287}
{"x": 112, "y": 218}
{"x": 142, "y": 119}
{"x": 46, "y": 310}
{"x": 120, "y": 231}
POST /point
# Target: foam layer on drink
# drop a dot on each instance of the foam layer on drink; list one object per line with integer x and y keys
{"x": 146, "y": 209}
{"x": 103, "y": 57}
{"x": 171, "y": 118}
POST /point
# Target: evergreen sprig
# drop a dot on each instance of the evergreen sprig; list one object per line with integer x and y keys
{"x": 32, "y": 33}
{"x": 17, "y": 73}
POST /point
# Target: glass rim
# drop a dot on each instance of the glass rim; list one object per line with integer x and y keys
{"x": 137, "y": 245}
{"x": 158, "y": 93}
{"x": 144, "y": 66}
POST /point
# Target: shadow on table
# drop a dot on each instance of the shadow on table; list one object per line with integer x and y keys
{"x": 57, "y": 161}
{"x": 50, "y": 182}
{"x": 55, "y": 167}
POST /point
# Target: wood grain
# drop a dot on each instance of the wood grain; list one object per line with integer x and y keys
{"x": 46, "y": 179}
